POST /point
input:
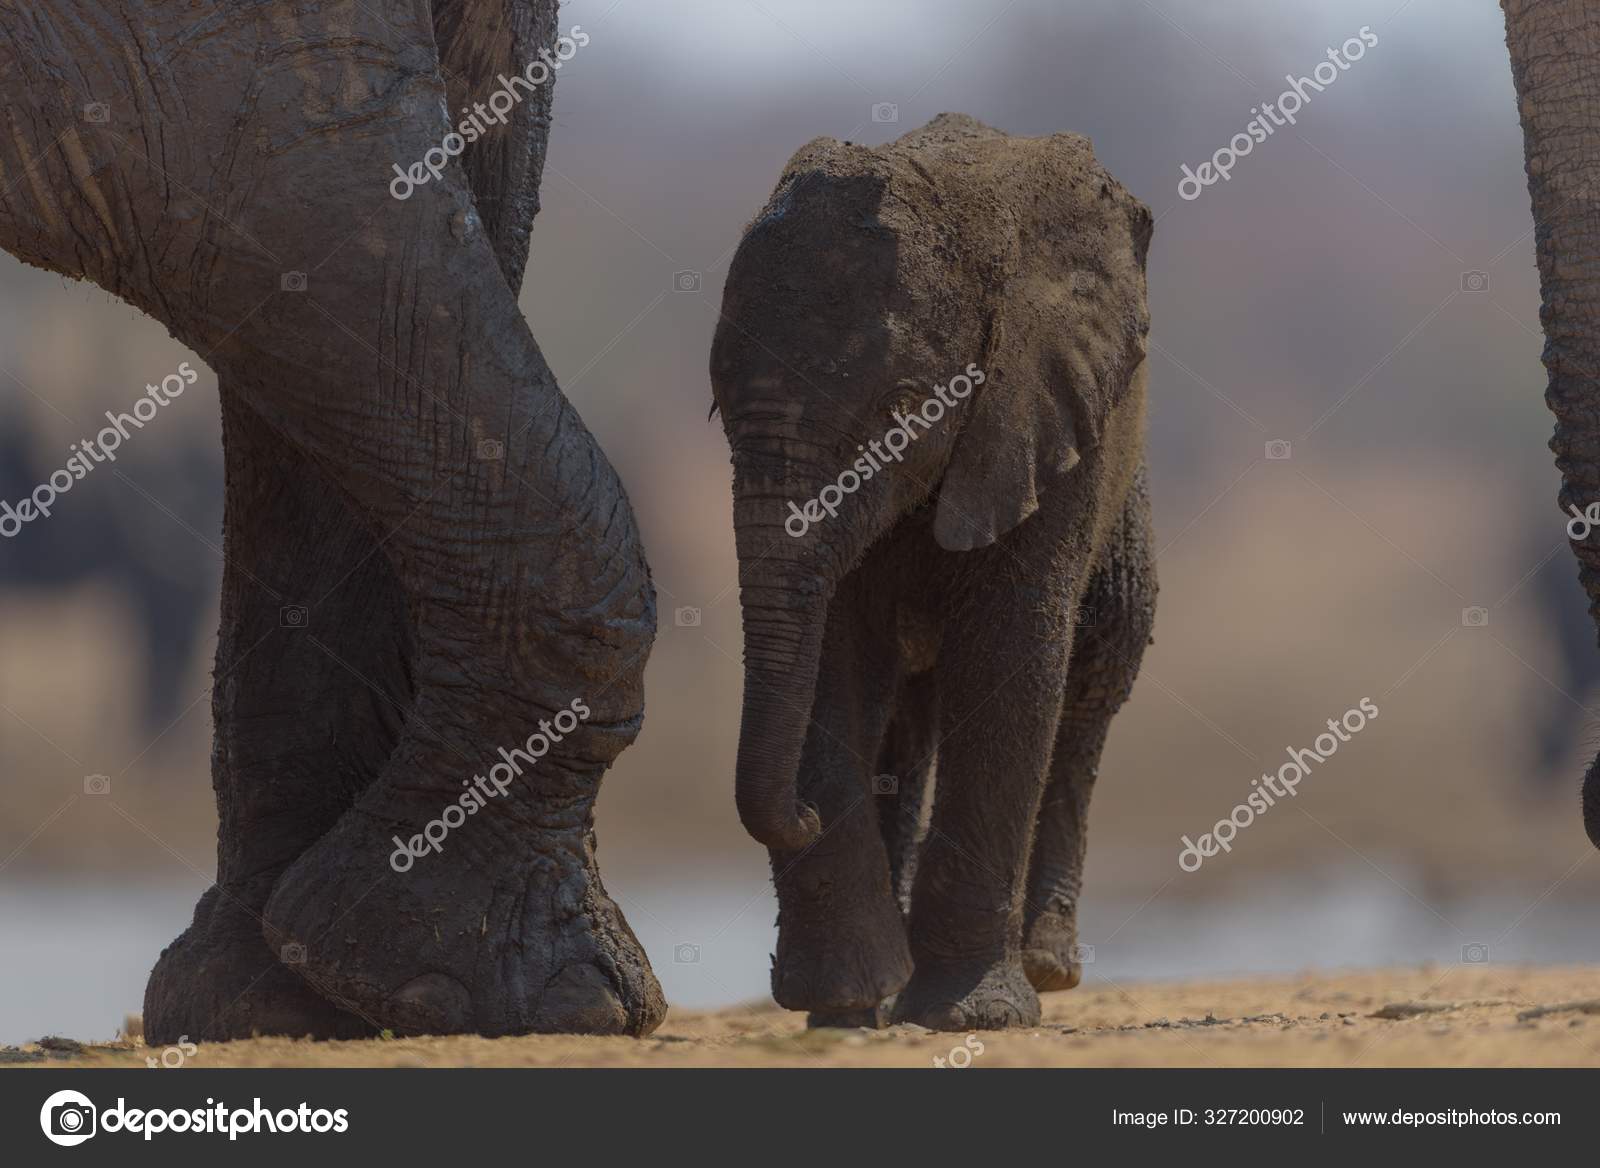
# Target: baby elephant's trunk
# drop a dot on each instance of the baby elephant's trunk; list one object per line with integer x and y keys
{"x": 782, "y": 646}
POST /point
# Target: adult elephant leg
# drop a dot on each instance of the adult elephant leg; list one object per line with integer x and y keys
{"x": 393, "y": 353}
{"x": 841, "y": 941}
{"x": 310, "y": 690}
{"x": 1105, "y": 660}
{"x": 1552, "y": 47}
{"x": 326, "y": 701}
{"x": 533, "y": 615}
{"x": 532, "y": 633}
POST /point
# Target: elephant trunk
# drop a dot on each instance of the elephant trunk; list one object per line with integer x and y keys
{"x": 784, "y": 618}
{"x": 1560, "y": 110}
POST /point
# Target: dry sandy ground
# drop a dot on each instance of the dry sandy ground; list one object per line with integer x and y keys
{"x": 1462, "y": 1015}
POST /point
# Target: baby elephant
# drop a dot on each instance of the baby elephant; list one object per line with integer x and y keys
{"x": 930, "y": 369}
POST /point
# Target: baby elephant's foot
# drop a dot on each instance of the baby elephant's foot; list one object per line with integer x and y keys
{"x": 838, "y": 967}
{"x": 969, "y": 996}
{"x": 1050, "y": 953}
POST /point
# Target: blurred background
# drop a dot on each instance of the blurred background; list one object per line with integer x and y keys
{"x": 1362, "y": 288}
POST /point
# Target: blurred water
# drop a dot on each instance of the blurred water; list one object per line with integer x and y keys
{"x": 76, "y": 956}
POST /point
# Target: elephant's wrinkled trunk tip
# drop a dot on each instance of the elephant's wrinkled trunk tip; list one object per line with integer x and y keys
{"x": 794, "y": 832}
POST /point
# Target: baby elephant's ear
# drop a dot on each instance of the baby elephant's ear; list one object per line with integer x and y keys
{"x": 1019, "y": 436}
{"x": 1060, "y": 357}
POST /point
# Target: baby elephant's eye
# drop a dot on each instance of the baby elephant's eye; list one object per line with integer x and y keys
{"x": 905, "y": 398}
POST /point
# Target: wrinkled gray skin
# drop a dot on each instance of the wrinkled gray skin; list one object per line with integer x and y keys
{"x": 1552, "y": 45}
{"x": 454, "y": 602}
{"x": 985, "y": 602}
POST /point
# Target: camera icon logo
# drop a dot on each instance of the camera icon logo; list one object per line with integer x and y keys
{"x": 293, "y": 953}
{"x": 68, "y": 1118}
{"x": 97, "y": 784}
{"x": 293, "y": 616}
{"x": 491, "y": 450}
{"x": 686, "y": 955}
{"x": 1475, "y": 954}
{"x": 1474, "y": 281}
{"x": 97, "y": 113}
{"x": 1083, "y": 954}
{"x": 293, "y": 282}
{"x": 1083, "y": 615}
{"x": 885, "y": 785}
{"x": 885, "y": 112}
{"x": 686, "y": 618}
{"x": 686, "y": 281}
{"x": 1280, "y": 449}
{"x": 1476, "y": 617}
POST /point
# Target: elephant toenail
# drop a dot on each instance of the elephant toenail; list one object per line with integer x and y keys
{"x": 434, "y": 1003}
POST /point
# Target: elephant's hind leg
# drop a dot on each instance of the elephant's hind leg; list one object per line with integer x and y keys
{"x": 908, "y": 758}
{"x": 309, "y": 681}
{"x": 1105, "y": 660}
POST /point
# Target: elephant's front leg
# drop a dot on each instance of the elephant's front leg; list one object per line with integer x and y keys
{"x": 1000, "y": 674}
{"x": 309, "y": 695}
{"x": 841, "y": 940}
{"x": 461, "y": 892}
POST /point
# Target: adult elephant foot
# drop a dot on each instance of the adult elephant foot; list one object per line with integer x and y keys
{"x": 489, "y": 935}
{"x": 219, "y": 981}
{"x": 969, "y": 996}
{"x": 1050, "y": 952}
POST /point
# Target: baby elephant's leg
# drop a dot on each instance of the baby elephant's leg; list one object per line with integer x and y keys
{"x": 1000, "y": 678}
{"x": 899, "y": 793}
{"x": 841, "y": 939}
{"x": 905, "y": 768}
{"x": 1117, "y": 614}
